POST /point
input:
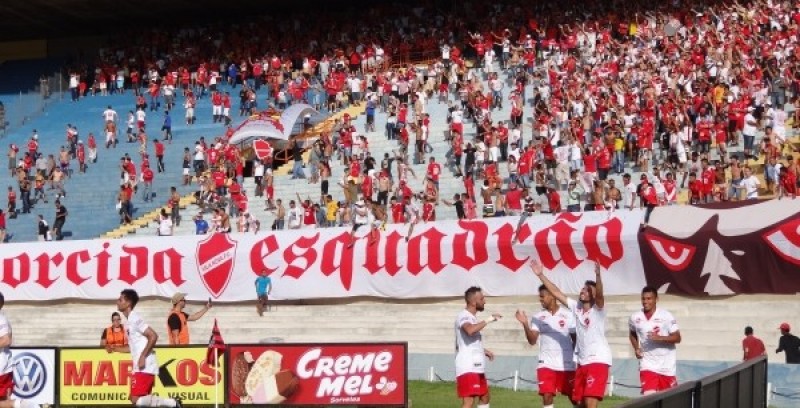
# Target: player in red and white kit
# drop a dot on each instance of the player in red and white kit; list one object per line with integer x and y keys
{"x": 653, "y": 335}
{"x": 470, "y": 354}
{"x": 141, "y": 340}
{"x": 554, "y": 328}
{"x": 6, "y": 368}
{"x": 594, "y": 354}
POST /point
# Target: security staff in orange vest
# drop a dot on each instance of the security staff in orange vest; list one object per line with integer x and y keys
{"x": 113, "y": 337}
{"x": 178, "y": 320}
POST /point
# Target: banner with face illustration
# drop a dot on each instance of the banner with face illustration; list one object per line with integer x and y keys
{"x": 724, "y": 248}
{"x": 744, "y": 247}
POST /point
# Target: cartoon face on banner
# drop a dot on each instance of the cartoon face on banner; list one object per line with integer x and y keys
{"x": 724, "y": 248}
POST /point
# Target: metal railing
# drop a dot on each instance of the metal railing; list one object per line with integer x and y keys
{"x": 19, "y": 109}
{"x": 741, "y": 386}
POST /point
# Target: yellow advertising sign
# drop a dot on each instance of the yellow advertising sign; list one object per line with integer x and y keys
{"x": 95, "y": 377}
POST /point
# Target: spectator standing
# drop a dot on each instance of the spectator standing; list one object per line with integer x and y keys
{"x": 752, "y": 346}
{"x": 174, "y": 201}
{"x": 164, "y": 224}
{"x": 43, "y": 229}
{"x": 790, "y": 344}
{"x": 653, "y": 335}
{"x": 295, "y": 216}
{"x": 263, "y": 290}
{"x": 166, "y": 127}
{"x": 178, "y": 320}
{"x": 61, "y": 219}
{"x": 2, "y": 227}
{"x": 159, "y": 150}
{"x": 113, "y": 336}
{"x": 147, "y": 180}
{"x": 200, "y": 225}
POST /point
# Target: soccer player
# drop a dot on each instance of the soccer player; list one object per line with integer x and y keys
{"x": 470, "y": 354}
{"x": 6, "y": 369}
{"x": 653, "y": 335}
{"x": 141, "y": 339}
{"x": 594, "y": 354}
{"x": 556, "y": 328}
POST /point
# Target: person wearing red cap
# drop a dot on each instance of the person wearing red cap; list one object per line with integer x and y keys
{"x": 790, "y": 344}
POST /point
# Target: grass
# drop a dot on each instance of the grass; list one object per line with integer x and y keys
{"x": 424, "y": 394}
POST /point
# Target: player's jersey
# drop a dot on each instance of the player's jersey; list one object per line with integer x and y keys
{"x": 556, "y": 350}
{"x": 135, "y": 329}
{"x": 660, "y": 358}
{"x": 590, "y": 328}
{"x": 5, "y": 352}
{"x": 470, "y": 356}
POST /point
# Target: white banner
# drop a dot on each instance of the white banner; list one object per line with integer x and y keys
{"x": 440, "y": 259}
{"x": 34, "y": 372}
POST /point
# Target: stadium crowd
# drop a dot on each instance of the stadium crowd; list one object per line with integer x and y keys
{"x": 594, "y": 89}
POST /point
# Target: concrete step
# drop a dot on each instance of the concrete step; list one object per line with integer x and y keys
{"x": 710, "y": 328}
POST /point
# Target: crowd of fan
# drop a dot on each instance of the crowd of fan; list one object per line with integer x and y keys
{"x": 594, "y": 89}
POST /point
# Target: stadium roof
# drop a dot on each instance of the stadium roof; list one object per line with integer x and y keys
{"x": 34, "y": 19}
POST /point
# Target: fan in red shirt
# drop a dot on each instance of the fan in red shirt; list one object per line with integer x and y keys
{"x": 752, "y": 346}
{"x": 695, "y": 189}
{"x": 219, "y": 181}
{"x": 309, "y": 215}
{"x": 398, "y": 211}
{"x": 513, "y": 199}
{"x": 80, "y": 154}
{"x": 788, "y": 184}
{"x": 648, "y": 198}
{"x": 429, "y": 211}
{"x": 433, "y": 171}
{"x": 721, "y": 138}
{"x": 553, "y": 200}
{"x": 707, "y": 178}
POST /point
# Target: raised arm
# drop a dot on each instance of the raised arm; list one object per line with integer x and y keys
{"x": 471, "y": 328}
{"x": 198, "y": 314}
{"x": 538, "y": 270}
{"x": 531, "y": 335}
{"x": 599, "y": 299}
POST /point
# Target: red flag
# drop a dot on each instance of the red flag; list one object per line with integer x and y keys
{"x": 216, "y": 346}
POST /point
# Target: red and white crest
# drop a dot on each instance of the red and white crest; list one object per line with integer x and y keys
{"x": 216, "y": 257}
{"x": 262, "y": 149}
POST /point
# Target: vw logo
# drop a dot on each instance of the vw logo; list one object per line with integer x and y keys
{"x": 30, "y": 375}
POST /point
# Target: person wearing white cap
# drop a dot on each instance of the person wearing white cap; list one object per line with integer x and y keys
{"x": 178, "y": 320}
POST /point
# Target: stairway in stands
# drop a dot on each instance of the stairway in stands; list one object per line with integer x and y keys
{"x": 91, "y": 197}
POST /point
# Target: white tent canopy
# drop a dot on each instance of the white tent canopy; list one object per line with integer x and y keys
{"x": 271, "y": 129}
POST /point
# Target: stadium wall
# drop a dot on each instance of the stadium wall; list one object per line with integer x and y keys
{"x": 520, "y": 373}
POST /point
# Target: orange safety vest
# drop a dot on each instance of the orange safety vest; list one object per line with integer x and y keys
{"x": 115, "y": 338}
{"x": 183, "y": 334}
